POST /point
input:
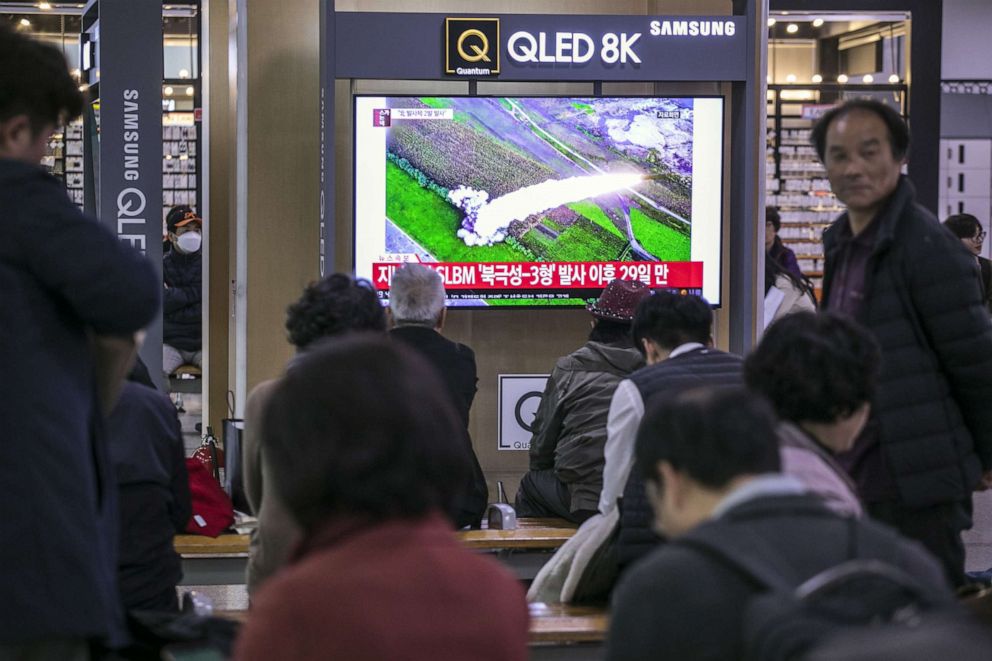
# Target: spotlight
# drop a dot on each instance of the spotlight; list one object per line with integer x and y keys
{"x": 168, "y": 90}
{"x": 842, "y": 78}
{"x": 184, "y": 73}
{"x": 818, "y": 23}
{"x": 817, "y": 78}
{"x": 894, "y": 79}
{"x": 791, "y": 78}
{"x": 189, "y": 91}
{"x": 792, "y": 28}
{"x": 44, "y": 5}
{"x": 25, "y": 23}
{"x": 771, "y": 22}
{"x": 868, "y": 78}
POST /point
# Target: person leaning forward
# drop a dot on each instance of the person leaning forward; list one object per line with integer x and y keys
{"x": 892, "y": 267}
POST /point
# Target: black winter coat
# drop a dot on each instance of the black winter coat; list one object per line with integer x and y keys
{"x": 146, "y": 449}
{"x": 182, "y": 320}
{"x": 62, "y": 276}
{"x": 923, "y": 304}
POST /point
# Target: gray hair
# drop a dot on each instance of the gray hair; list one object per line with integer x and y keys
{"x": 416, "y": 296}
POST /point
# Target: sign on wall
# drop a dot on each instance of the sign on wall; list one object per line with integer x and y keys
{"x": 519, "y": 397}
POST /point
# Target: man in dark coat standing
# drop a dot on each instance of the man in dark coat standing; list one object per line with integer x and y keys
{"x": 417, "y": 312}
{"x": 182, "y": 271}
{"x": 73, "y": 298}
{"x": 892, "y": 267}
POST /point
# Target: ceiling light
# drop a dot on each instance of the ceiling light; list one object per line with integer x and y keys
{"x": 76, "y": 73}
{"x": 168, "y": 157}
{"x": 817, "y": 22}
{"x": 768, "y": 79}
{"x": 168, "y": 90}
{"x": 189, "y": 91}
{"x": 792, "y": 28}
{"x": 868, "y": 78}
{"x": 25, "y": 23}
{"x": 791, "y": 78}
{"x": 83, "y": 87}
{"x": 842, "y": 78}
{"x": 771, "y": 22}
{"x": 894, "y": 79}
{"x": 184, "y": 73}
{"x": 817, "y": 78}
{"x": 44, "y": 5}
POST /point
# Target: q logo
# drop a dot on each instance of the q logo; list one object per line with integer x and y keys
{"x": 471, "y": 46}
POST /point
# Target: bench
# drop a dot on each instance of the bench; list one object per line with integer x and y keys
{"x": 221, "y": 560}
{"x": 186, "y": 379}
{"x": 557, "y": 631}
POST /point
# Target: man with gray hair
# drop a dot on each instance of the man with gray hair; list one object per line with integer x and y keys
{"x": 417, "y": 313}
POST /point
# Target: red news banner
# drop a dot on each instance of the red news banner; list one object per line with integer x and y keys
{"x": 553, "y": 275}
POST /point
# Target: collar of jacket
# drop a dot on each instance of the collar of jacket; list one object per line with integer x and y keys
{"x": 337, "y": 530}
{"x": 887, "y": 219}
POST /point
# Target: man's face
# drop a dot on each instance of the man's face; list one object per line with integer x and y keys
{"x": 770, "y": 234}
{"x": 858, "y": 158}
{"x": 974, "y": 244}
{"x": 19, "y": 142}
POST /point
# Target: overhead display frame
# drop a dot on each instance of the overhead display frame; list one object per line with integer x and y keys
{"x": 555, "y": 48}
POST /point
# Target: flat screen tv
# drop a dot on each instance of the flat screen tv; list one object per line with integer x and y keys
{"x": 540, "y": 201}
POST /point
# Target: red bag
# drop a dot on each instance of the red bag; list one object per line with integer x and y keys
{"x": 212, "y": 509}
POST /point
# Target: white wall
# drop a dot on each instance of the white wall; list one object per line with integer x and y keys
{"x": 967, "y": 49}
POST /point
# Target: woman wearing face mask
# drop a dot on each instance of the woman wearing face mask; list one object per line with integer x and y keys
{"x": 181, "y": 267}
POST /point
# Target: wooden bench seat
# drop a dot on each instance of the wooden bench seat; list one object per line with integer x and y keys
{"x": 221, "y": 560}
{"x": 552, "y": 626}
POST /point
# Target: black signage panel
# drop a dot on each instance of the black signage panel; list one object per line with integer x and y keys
{"x": 532, "y": 47}
{"x": 130, "y": 142}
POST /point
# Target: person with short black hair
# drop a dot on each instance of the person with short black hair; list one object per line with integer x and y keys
{"x": 182, "y": 272}
{"x": 710, "y": 457}
{"x": 566, "y": 450}
{"x": 73, "y": 298}
{"x": 333, "y": 306}
{"x": 972, "y": 235}
{"x": 819, "y": 373}
{"x": 890, "y": 266}
{"x": 417, "y": 311}
{"x": 364, "y": 451}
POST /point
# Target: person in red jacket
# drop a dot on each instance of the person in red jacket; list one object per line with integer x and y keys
{"x": 364, "y": 450}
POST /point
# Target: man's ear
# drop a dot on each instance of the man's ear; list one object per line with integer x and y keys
{"x": 652, "y": 354}
{"x": 390, "y": 322}
{"x": 441, "y": 318}
{"x": 15, "y": 132}
{"x": 672, "y": 484}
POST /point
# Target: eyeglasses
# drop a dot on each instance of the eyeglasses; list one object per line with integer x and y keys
{"x": 979, "y": 237}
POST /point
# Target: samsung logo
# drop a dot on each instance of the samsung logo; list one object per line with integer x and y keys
{"x": 693, "y": 28}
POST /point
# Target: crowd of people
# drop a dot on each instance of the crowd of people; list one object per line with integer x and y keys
{"x": 717, "y": 494}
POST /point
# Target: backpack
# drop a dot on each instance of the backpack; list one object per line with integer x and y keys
{"x": 791, "y": 617}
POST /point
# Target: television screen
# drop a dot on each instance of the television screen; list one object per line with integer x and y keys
{"x": 538, "y": 201}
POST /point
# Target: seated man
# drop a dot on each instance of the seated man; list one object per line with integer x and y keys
{"x": 182, "y": 269}
{"x": 417, "y": 312}
{"x": 819, "y": 373}
{"x": 334, "y": 305}
{"x": 366, "y": 455}
{"x": 710, "y": 456}
{"x": 566, "y": 450}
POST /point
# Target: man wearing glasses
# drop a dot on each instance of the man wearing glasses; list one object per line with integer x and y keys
{"x": 890, "y": 266}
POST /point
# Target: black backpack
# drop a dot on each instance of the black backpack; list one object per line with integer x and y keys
{"x": 791, "y": 617}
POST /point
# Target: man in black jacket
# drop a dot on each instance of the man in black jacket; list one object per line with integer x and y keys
{"x": 182, "y": 270}
{"x": 417, "y": 313}
{"x": 673, "y": 332}
{"x": 711, "y": 456}
{"x": 70, "y": 289}
{"x": 892, "y": 267}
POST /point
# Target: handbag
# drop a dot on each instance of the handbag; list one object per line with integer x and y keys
{"x": 213, "y": 512}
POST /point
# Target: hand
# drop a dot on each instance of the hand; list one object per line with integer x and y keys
{"x": 986, "y": 481}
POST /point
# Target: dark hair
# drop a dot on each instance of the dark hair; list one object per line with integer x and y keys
{"x": 772, "y": 216}
{"x": 964, "y": 225}
{"x": 35, "y": 81}
{"x": 712, "y": 433}
{"x": 670, "y": 320}
{"x": 607, "y": 331}
{"x": 774, "y": 268}
{"x": 814, "y": 367}
{"x": 363, "y": 426}
{"x": 898, "y": 131}
{"x": 335, "y": 304}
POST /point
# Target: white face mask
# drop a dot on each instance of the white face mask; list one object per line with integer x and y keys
{"x": 189, "y": 242}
